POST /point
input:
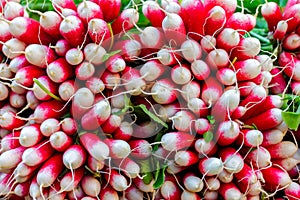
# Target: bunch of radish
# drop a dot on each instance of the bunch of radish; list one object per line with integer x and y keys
{"x": 94, "y": 106}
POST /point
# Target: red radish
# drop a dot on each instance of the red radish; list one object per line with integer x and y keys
{"x": 49, "y": 171}
{"x": 176, "y": 140}
{"x": 117, "y": 181}
{"x": 230, "y": 191}
{"x": 84, "y": 71}
{"x": 88, "y": 10}
{"x": 111, "y": 124}
{"x": 11, "y": 158}
{"x": 50, "y": 22}
{"x": 133, "y": 81}
{"x": 211, "y": 91}
{"x": 71, "y": 180}
{"x": 64, "y": 4}
{"x": 72, "y": 29}
{"x": 67, "y": 89}
{"x": 153, "y": 12}
{"x": 205, "y": 148}
{"x": 32, "y": 100}
{"x": 233, "y": 161}
{"x": 69, "y": 126}
{"x": 74, "y": 157}
{"x": 258, "y": 94}
{"x": 59, "y": 70}
{"x": 247, "y": 48}
{"x": 118, "y": 148}
{"x": 140, "y": 149}
{"x": 4, "y": 92}
{"x": 275, "y": 178}
{"x": 13, "y": 48}
{"x": 246, "y": 176}
{"x": 293, "y": 191}
{"x": 286, "y": 163}
{"x": 34, "y": 190}
{"x": 125, "y": 20}
{"x": 22, "y": 189}
{"x": 293, "y": 16}
{"x": 111, "y": 80}
{"x": 18, "y": 63}
{"x": 226, "y": 76}
{"x": 30, "y": 135}
{"x": 124, "y": 132}
{"x": 83, "y": 99}
{"x": 25, "y": 75}
{"x": 74, "y": 56}
{"x": 259, "y": 157}
{"x": 95, "y": 84}
{"x": 217, "y": 58}
{"x": 291, "y": 42}
{"x": 215, "y": 20}
{"x": 212, "y": 183}
{"x": 10, "y": 141}
{"x": 191, "y": 50}
{"x": 283, "y": 149}
{"x": 225, "y": 177}
{"x": 278, "y": 82}
{"x": 39, "y": 93}
{"x": 228, "y": 6}
{"x": 241, "y": 22}
{"x": 171, "y": 7}
{"x": 173, "y": 27}
{"x": 198, "y": 107}
{"x": 152, "y": 70}
{"x": 247, "y": 69}
{"x": 16, "y": 88}
{"x": 12, "y": 10}
{"x": 37, "y": 154}
{"x": 186, "y": 158}
{"x": 227, "y": 39}
{"x": 208, "y": 43}
{"x": 77, "y": 193}
{"x": 53, "y": 194}
{"x": 61, "y": 47}
{"x": 95, "y": 147}
{"x": 17, "y": 100}
{"x": 60, "y": 141}
{"x": 272, "y": 14}
{"x": 9, "y": 121}
{"x": 49, "y": 126}
{"x": 211, "y": 195}
{"x": 108, "y": 193}
{"x": 162, "y": 91}
{"x": 151, "y": 37}
{"x": 181, "y": 74}
{"x": 272, "y": 136}
{"x": 200, "y": 69}
{"x": 96, "y": 116}
{"x": 94, "y": 53}
{"x": 190, "y": 90}
{"x": 39, "y": 55}
{"x": 110, "y": 8}
{"x": 210, "y": 166}
{"x": 48, "y": 109}
{"x": 167, "y": 56}
{"x": 250, "y": 138}
{"x": 227, "y": 133}
{"x": 23, "y": 170}
{"x": 115, "y": 64}
{"x": 95, "y": 165}
{"x": 130, "y": 167}
{"x": 29, "y": 31}
{"x": 272, "y": 118}
{"x": 266, "y": 62}
{"x": 192, "y": 182}
{"x": 170, "y": 190}
{"x": 130, "y": 49}
{"x": 182, "y": 119}
{"x": 280, "y": 30}
{"x": 264, "y": 78}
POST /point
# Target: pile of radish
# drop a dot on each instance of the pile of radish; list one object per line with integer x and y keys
{"x": 94, "y": 105}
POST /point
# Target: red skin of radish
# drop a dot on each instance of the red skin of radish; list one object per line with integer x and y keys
{"x": 24, "y": 170}
{"x": 293, "y": 13}
{"x": 293, "y": 191}
{"x": 25, "y": 75}
{"x": 174, "y": 29}
{"x": 159, "y": 87}
{"x": 170, "y": 190}
{"x": 30, "y": 31}
{"x": 61, "y": 47}
{"x": 22, "y": 189}
{"x": 124, "y": 132}
{"x": 282, "y": 150}
{"x": 141, "y": 149}
{"x": 280, "y": 30}
{"x": 117, "y": 148}
{"x": 217, "y": 59}
{"x": 43, "y": 152}
{"x": 69, "y": 126}
{"x": 74, "y": 157}
{"x": 266, "y": 120}
{"x": 11, "y": 158}
{"x": 186, "y": 158}
{"x": 246, "y": 175}
{"x": 13, "y": 122}
{"x": 227, "y": 133}
{"x": 9, "y": 141}
{"x": 227, "y": 39}
{"x": 49, "y": 109}
{"x": 291, "y": 42}
{"x": 89, "y": 10}
{"x": 98, "y": 30}
{"x": 62, "y": 67}
{"x": 91, "y": 141}
{"x": 108, "y": 193}
{"x": 230, "y": 191}
{"x": 153, "y": 13}
{"x": 272, "y": 14}
{"x": 50, "y": 22}
{"x": 130, "y": 167}
{"x": 74, "y": 33}
{"x": 247, "y": 69}
{"x": 257, "y": 95}
{"x": 64, "y": 4}
{"x": 4, "y": 33}
{"x": 192, "y": 13}
{"x": 64, "y": 141}
{"x": 18, "y": 63}
{"x": 125, "y": 21}
{"x": 278, "y": 81}
{"x": 54, "y": 191}
{"x": 211, "y": 91}
{"x": 49, "y": 84}
{"x": 110, "y": 9}
{"x": 67, "y": 178}
{"x": 241, "y": 22}
{"x": 180, "y": 140}
{"x": 275, "y": 178}
{"x": 32, "y": 133}
{"x": 215, "y": 20}
{"x": 50, "y": 170}
{"x": 228, "y": 5}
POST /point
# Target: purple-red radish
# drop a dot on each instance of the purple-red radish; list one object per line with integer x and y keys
{"x": 233, "y": 161}
{"x": 130, "y": 167}
{"x": 247, "y": 69}
{"x": 241, "y": 22}
{"x": 227, "y": 5}
{"x": 108, "y": 193}
{"x": 59, "y": 70}
{"x": 211, "y": 91}
{"x": 117, "y": 181}
{"x": 292, "y": 15}
{"x": 125, "y": 20}
{"x": 58, "y": 4}
{"x": 115, "y": 64}
{"x": 293, "y": 191}
{"x": 170, "y": 190}
{"x": 291, "y": 42}
{"x": 22, "y": 189}
{"x": 283, "y": 149}
{"x": 74, "y": 56}
{"x": 84, "y": 71}
{"x": 217, "y": 58}
{"x": 25, "y": 75}
{"x": 111, "y": 124}
{"x": 39, "y": 55}
{"x": 124, "y": 132}
{"x": 186, "y": 158}
{"x": 83, "y": 100}
{"x": 74, "y": 157}
{"x": 29, "y": 31}
{"x": 205, "y": 148}
{"x": 162, "y": 91}
{"x": 49, "y": 126}
{"x": 200, "y": 69}
{"x": 272, "y": 136}
{"x": 37, "y": 154}
{"x": 95, "y": 147}
{"x": 230, "y": 191}
{"x": 182, "y": 120}
{"x": 17, "y": 100}
{"x": 10, "y": 141}
{"x": 94, "y": 164}
{"x": 190, "y": 90}
{"x": 278, "y": 81}
{"x": 280, "y": 30}
{"x": 18, "y": 63}
{"x": 9, "y": 121}
{"x": 60, "y": 141}
{"x": 71, "y": 180}
{"x": 176, "y": 140}
{"x": 227, "y": 39}
{"x": 250, "y": 138}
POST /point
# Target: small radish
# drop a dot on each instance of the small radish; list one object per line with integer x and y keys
{"x": 227, "y": 5}
{"x": 247, "y": 48}
{"x": 22, "y": 189}
{"x": 272, "y": 136}
{"x": 18, "y": 63}
{"x": 11, "y": 158}
{"x": 49, "y": 126}
{"x": 95, "y": 165}
{"x": 186, "y": 158}
{"x": 95, "y": 147}
{"x": 110, "y": 9}
{"x": 59, "y": 70}
{"x": 61, "y": 47}
{"x": 286, "y": 163}
{"x": 250, "y": 138}
{"x": 283, "y": 149}
{"x": 37, "y": 154}
{"x": 190, "y": 90}
{"x": 83, "y": 99}
{"x": 233, "y": 161}
{"x": 192, "y": 182}
{"x": 74, "y": 157}
{"x": 215, "y": 20}
{"x": 170, "y": 190}
{"x": 115, "y": 64}
{"x": 173, "y": 27}
{"x": 168, "y": 57}
{"x": 39, "y": 55}
{"x": 67, "y": 89}
{"x": 275, "y": 178}
{"x": 152, "y": 70}
{"x": 225, "y": 177}
{"x": 49, "y": 171}
{"x": 153, "y": 13}
{"x": 17, "y": 100}
{"x": 108, "y": 193}
{"x": 226, "y": 76}
{"x": 140, "y": 149}
{"x": 74, "y": 56}
{"x": 71, "y": 180}
{"x": 230, "y": 191}
{"x": 60, "y": 141}
{"x": 247, "y": 69}
{"x": 10, "y": 141}
{"x": 9, "y": 121}
{"x": 241, "y": 22}
{"x": 124, "y": 132}
{"x": 210, "y": 166}
{"x": 272, "y": 14}
{"x": 211, "y": 91}
{"x": 227, "y": 133}
{"x": 291, "y": 42}
{"x": 64, "y": 4}
{"x": 200, "y": 69}
{"x": 176, "y": 140}
{"x": 163, "y": 92}
{"x": 181, "y": 120}
{"x": 117, "y": 181}
{"x": 25, "y": 75}
{"x": 293, "y": 191}
{"x": 4, "y": 33}
{"x": 293, "y": 16}
{"x": 118, "y": 148}
{"x": 205, "y": 148}
{"x": 191, "y": 50}
{"x": 227, "y": 39}
{"x": 39, "y": 93}
{"x": 217, "y": 58}
{"x": 30, "y": 135}
{"x": 280, "y": 30}
{"x": 94, "y": 53}
{"x": 208, "y": 43}
{"x": 125, "y": 20}
{"x": 50, "y": 22}
{"x": 84, "y": 71}
{"x": 88, "y": 10}
{"x": 212, "y": 183}
{"x": 13, "y": 48}
{"x": 130, "y": 49}
{"x": 131, "y": 168}
{"x": 23, "y": 170}
{"x": 259, "y": 157}
{"x": 278, "y": 82}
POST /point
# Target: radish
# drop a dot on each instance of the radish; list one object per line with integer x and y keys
{"x": 250, "y": 138}
{"x": 208, "y": 43}
{"x": 176, "y": 140}
{"x": 30, "y": 135}
{"x": 151, "y": 70}
{"x": 60, "y": 141}
{"x": 23, "y": 170}
{"x": 108, "y": 193}
{"x": 59, "y": 70}
{"x": 110, "y": 9}
{"x": 200, "y": 69}
{"x": 111, "y": 81}
{"x": 293, "y": 191}
{"x": 131, "y": 193}
{"x": 212, "y": 183}
{"x": 72, "y": 29}
{"x": 4, "y": 33}
{"x": 13, "y": 48}
{"x": 286, "y": 163}
{"x": 292, "y": 13}
{"x": 37, "y": 154}
{"x": 186, "y": 158}
{"x": 125, "y": 20}
{"x": 130, "y": 49}
{"x": 69, "y": 126}
{"x": 118, "y": 148}
{"x": 278, "y": 82}
{"x": 230, "y": 191}
{"x": 247, "y": 48}
{"x": 291, "y": 42}
{"x": 283, "y": 149}
{"x": 77, "y": 193}
{"x": 211, "y": 91}
{"x": 259, "y": 157}
{"x": 9, "y": 121}
{"x": 227, "y": 39}
{"x": 22, "y": 189}
{"x": 217, "y": 58}
{"x": 246, "y": 176}
{"x": 241, "y": 22}
{"x": 39, "y": 55}
{"x": 25, "y": 75}
{"x": 95, "y": 147}
{"x": 11, "y": 158}
{"x": 83, "y": 99}
{"x": 74, "y": 157}
{"x": 16, "y": 88}
{"x": 232, "y": 160}
{"x": 49, "y": 171}
{"x": 226, "y": 76}
{"x": 116, "y": 180}
{"x": 29, "y": 31}
{"x": 94, "y": 53}
{"x": 58, "y": 4}
{"x": 46, "y": 82}
{"x": 151, "y": 37}
{"x": 50, "y": 22}
{"x": 191, "y": 50}
{"x": 210, "y": 166}
{"x": 215, "y": 20}
{"x": 247, "y": 69}
{"x": 10, "y": 141}
{"x": 49, "y": 126}
{"x": 181, "y": 74}
{"x": 17, "y": 100}
{"x": 275, "y": 178}
{"x": 272, "y": 14}
{"x": 12, "y": 10}
{"x": 67, "y": 89}
{"x": 225, "y": 177}
{"x": 88, "y": 10}
{"x": 192, "y": 182}
{"x": 272, "y": 136}
{"x": 95, "y": 165}
{"x": 173, "y": 27}
{"x": 228, "y": 6}
{"x": 70, "y": 181}
{"x": 74, "y": 56}
{"x": 4, "y": 92}
{"x": 53, "y": 194}
{"x": 170, "y": 190}
{"x": 115, "y": 64}
{"x": 96, "y": 116}
{"x": 227, "y": 133}
{"x": 124, "y": 132}
{"x": 190, "y": 90}
{"x": 18, "y": 63}
{"x": 266, "y": 62}
{"x": 153, "y": 12}
{"x": 280, "y": 30}
{"x": 205, "y": 148}
{"x": 61, "y": 47}
{"x": 162, "y": 91}
{"x": 84, "y": 71}
{"x": 130, "y": 167}
{"x": 133, "y": 81}
{"x": 91, "y": 186}
{"x": 167, "y": 56}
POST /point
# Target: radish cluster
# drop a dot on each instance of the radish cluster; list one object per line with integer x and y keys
{"x": 95, "y": 107}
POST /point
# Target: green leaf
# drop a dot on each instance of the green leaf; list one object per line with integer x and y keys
{"x": 159, "y": 177}
{"x": 211, "y": 119}
{"x": 146, "y": 170}
{"x": 292, "y": 119}
{"x": 150, "y": 114}
{"x": 208, "y": 136}
{"x": 110, "y": 54}
{"x": 46, "y": 90}
{"x": 147, "y": 177}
